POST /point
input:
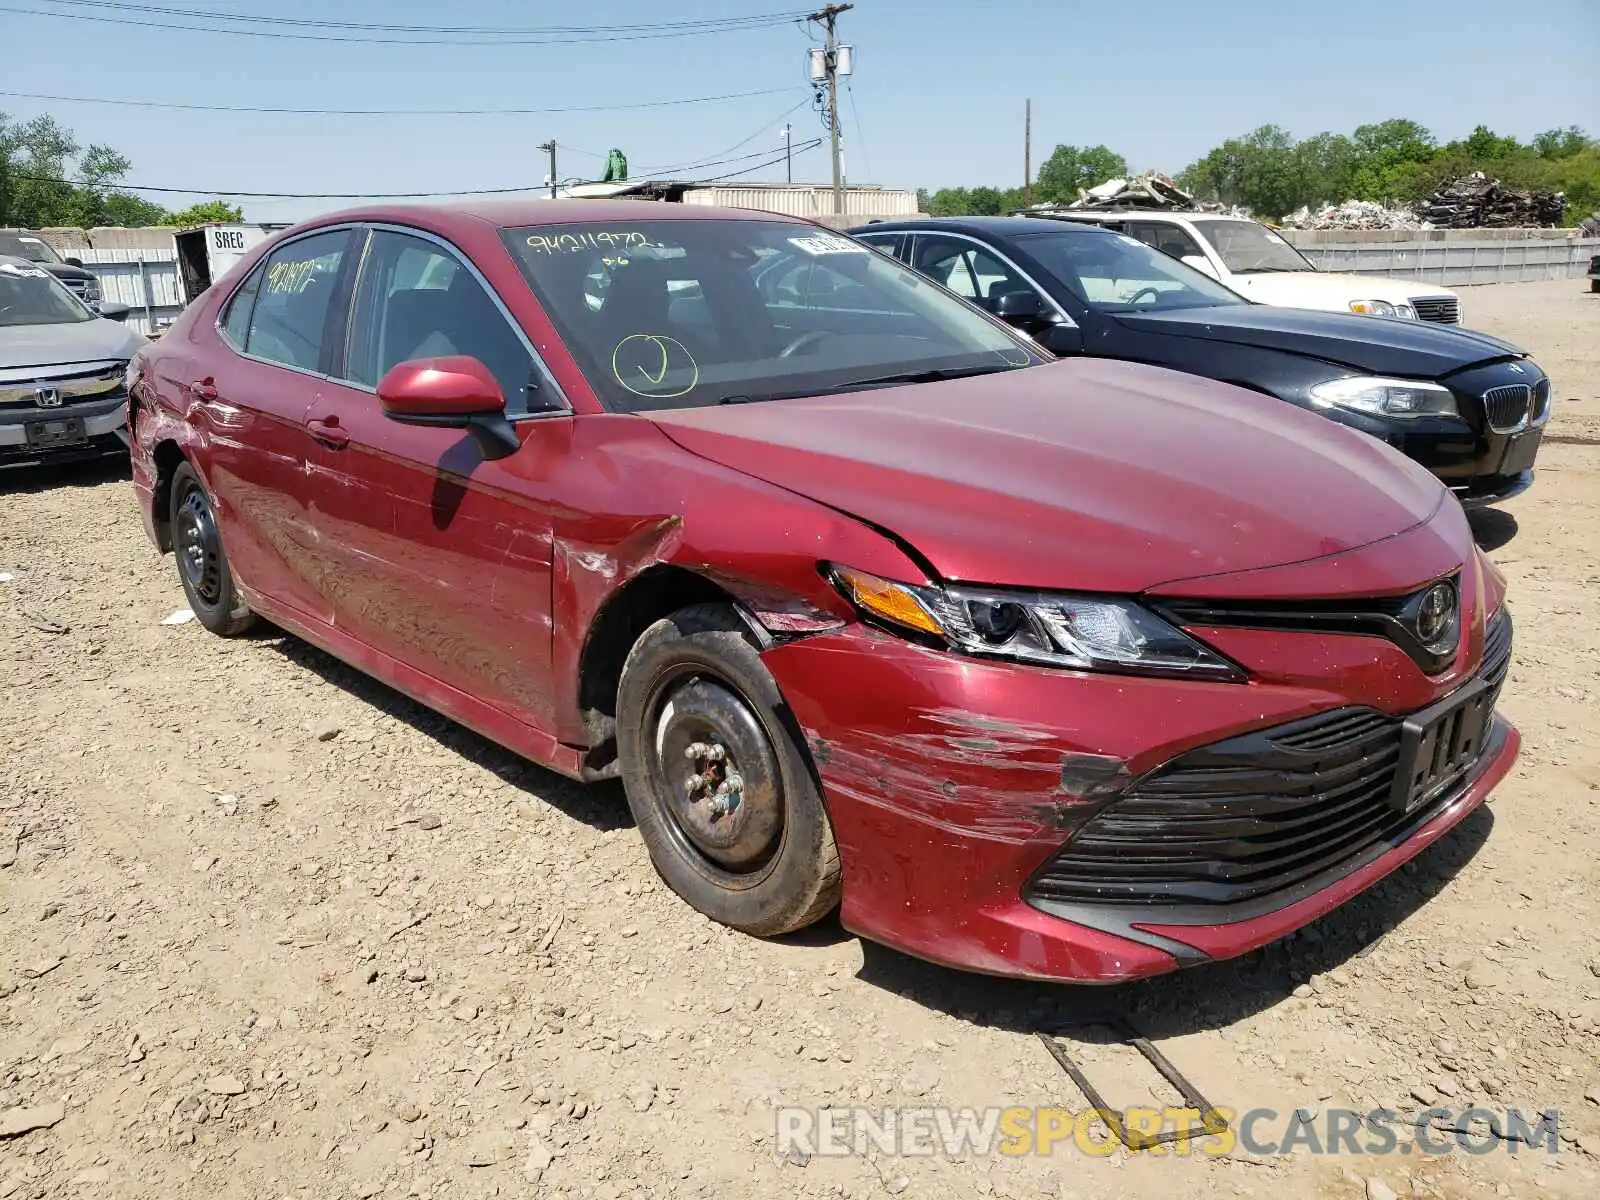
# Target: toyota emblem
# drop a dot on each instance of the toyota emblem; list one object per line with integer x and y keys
{"x": 47, "y": 397}
{"x": 1436, "y": 617}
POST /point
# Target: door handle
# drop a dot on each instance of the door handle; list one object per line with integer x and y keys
{"x": 329, "y": 433}
{"x": 204, "y": 390}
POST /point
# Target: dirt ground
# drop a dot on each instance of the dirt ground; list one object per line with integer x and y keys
{"x": 269, "y": 930}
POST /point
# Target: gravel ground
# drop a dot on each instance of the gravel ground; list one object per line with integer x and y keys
{"x": 269, "y": 930}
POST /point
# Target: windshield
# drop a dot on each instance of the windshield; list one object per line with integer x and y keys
{"x": 22, "y": 245}
{"x": 1246, "y": 247}
{"x": 1114, "y": 273}
{"x": 689, "y": 313}
{"x": 29, "y": 296}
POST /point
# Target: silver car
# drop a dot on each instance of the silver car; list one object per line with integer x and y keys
{"x": 62, "y": 369}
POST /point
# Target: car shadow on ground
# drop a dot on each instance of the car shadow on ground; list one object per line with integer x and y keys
{"x": 1492, "y": 528}
{"x": 47, "y": 478}
{"x": 601, "y": 806}
{"x": 1201, "y": 998}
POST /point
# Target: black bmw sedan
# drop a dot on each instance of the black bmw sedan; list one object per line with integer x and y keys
{"x": 1469, "y": 407}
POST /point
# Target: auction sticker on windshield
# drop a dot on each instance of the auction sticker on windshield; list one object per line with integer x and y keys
{"x": 25, "y": 272}
{"x": 827, "y": 243}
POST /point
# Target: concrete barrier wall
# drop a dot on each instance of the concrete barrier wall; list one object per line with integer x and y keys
{"x": 1449, "y": 257}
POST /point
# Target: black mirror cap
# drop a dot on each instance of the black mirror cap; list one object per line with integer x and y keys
{"x": 112, "y": 311}
{"x": 1018, "y": 306}
{"x": 1062, "y": 340}
{"x": 74, "y": 262}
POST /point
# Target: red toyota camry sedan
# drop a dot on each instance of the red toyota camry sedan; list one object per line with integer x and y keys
{"x": 1076, "y": 670}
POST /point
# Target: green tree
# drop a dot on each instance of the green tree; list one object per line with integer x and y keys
{"x": 202, "y": 214}
{"x": 1071, "y": 168}
{"x": 38, "y": 162}
{"x": 1562, "y": 143}
{"x": 131, "y": 211}
{"x": 1262, "y": 171}
{"x": 1388, "y": 157}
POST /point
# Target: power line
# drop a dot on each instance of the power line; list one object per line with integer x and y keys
{"x": 800, "y": 149}
{"x": 194, "y": 191}
{"x": 866, "y": 159}
{"x": 395, "y": 112}
{"x": 717, "y": 159}
{"x": 658, "y": 173}
{"x": 315, "y": 22}
{"x": 640, "y": 34}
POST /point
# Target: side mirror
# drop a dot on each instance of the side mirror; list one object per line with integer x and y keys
{"x": 112, "y": 311}
{"x": 1200, "y": 263}
{"x": 1062, "y": 340}
{"x": 455, "y": 392}
{"x": 1018, "y": 308}
{"x": 73, "y": 262}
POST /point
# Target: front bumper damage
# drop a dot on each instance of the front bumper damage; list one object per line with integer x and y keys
{"x": 956, "y": 786}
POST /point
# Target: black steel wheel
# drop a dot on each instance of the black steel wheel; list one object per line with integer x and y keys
{"x": 719, "y": 783}
{"x": 202, "y": 563}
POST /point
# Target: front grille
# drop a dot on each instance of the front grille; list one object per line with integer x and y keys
{"x": 1253, "y": 815}
{"x": 1443, "y": 310}
{"x": 1507, "y": 407}
{"x": 1541, "y": 402}
{"x": 74, "y": 387}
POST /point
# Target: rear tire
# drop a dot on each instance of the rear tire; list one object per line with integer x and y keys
{"x": 202, "y": 565}
{"x": 718, "y": 780}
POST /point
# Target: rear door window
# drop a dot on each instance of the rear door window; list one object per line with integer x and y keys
{"x": 288, "y": 322}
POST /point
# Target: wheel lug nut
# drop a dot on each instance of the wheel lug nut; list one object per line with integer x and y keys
{"x": 716, "y": 753}
{"x": 695, "y": 750}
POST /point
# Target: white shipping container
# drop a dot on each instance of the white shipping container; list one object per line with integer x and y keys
{"x": 808, "y": 200}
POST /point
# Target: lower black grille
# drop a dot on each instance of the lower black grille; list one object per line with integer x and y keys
{"x": 1247, "y": 817}
{"x": 1507, "y": 407}
{"x": 1444, "y": 310}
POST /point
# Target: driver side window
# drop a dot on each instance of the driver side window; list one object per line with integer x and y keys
{"x": 967, "y": 270}
{"x": 417, "y": 300}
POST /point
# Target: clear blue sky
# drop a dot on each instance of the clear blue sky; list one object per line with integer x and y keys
{"x": 937, "y": 98}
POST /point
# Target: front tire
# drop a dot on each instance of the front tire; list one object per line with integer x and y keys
{"x": 719, "y": 783}
{"x": 202, "y": 565}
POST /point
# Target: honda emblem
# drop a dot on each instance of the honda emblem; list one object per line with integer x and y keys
{"x": 48, "y": 397}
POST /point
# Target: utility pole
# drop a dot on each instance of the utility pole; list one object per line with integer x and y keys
{"x": 828, "y": 18}
{"x": 788, "y": 151}
{"x": 550, "y": 149}
{"x": 1027, "y": 154}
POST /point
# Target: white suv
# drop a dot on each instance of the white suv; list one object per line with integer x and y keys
{"x": 1261, "y": 266}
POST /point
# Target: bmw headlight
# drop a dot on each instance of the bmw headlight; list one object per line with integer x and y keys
{"x": 1386, "y": 397}
{"x": 1084, "y": 633}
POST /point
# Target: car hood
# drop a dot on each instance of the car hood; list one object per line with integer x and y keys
{"x": 27, "y": 346}
{"x": 1327, "y": 289}
{"x": 1085, "y": 474}
{"x": 1380, "y": 345}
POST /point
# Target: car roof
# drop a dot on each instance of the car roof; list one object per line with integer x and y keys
{"x": 511, "y": 214}
{"x": 981, "y": 226}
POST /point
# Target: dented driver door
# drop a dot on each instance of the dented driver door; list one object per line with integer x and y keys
{"x": 444, "y": 560}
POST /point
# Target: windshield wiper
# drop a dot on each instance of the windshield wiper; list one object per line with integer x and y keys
{"x": 928, "y": 375}
{"x": 1268, "y": 270}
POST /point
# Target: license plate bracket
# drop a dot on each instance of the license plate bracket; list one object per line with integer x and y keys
{"x": 1439, "y": 743}
{"x": 1520, "y": 452}
{"x": 53, "y": 435}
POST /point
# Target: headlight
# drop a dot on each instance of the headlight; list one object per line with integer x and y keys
{"x": 1386, "y": 397}
{"x": 1405, "y": 312}
{"x": 1084, "y": 633}
{"x": 1373, "y": 308}
{"x": 91, "y": 290}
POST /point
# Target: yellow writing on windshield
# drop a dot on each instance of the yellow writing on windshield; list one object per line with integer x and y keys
{"x": 596, "y": 239}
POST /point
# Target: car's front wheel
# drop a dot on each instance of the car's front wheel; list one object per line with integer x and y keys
{"x": 202, "y": 565}
{"x": 719, "y": 783}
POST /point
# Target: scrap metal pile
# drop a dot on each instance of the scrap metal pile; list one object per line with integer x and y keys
{"x": 1150, "y": 190}
{"x": 1355, "y": 214}
{"x": 1477, "y": 202}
